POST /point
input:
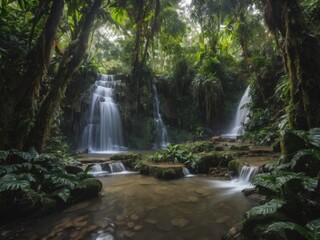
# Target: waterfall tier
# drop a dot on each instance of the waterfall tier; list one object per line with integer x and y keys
{"x": 241, "y": 115}
{"x": 103, "y": 132}
{"x": 161, "y": 134}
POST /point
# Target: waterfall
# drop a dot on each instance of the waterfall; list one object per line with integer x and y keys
{"x": 103, "y": 132}
{"x": 116, "y": 167}
{"x": 186, "y": 172}
{"x": 161, "y": 134}
{"x": 247, "y": 173}
{"x": 96, "y": 168}
{"x": 241, "y": 115}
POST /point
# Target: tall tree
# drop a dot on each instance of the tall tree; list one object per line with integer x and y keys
{"x": 71, "y": 59}
{"x": 301, "y": 51}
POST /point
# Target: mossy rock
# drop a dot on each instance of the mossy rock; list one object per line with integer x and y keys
{"x": 197, "y": 147}
{"x": 128, "y": 159}
{"x": 71, "y": 169}
{"x": 162, "y": 171}
{"x": 48, "y": 206}
{"x": 239, "y": 148}
{"x": 213, "y": 159}
{"x": 235, "y": 166}
{"x": 86, "y": 189}
{"x": 291, "y": 143}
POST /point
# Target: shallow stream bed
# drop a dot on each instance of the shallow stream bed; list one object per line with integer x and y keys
{"x": 143, "y": 208}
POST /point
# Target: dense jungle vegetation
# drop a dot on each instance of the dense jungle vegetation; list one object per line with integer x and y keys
{"x": 201, "y": 54}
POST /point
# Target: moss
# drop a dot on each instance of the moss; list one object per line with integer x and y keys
{"x": 235, "y": 166}
{"x": 129, "y": 160}
{"x": 239, "y": 148}
{"x": 197, "y": 147}
{"x": 160, "y": 171}
{"x": 290, "y": 144}
{"x": 212, "y": 159}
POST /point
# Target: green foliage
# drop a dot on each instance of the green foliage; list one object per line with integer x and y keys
{"x": 173, "y": 154}
{"x": 31, "y": 173}
{"x": 267, "y": 208}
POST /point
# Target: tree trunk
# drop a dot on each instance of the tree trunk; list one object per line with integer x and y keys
{"x": 70, "y": 62}
{"x": 301, "y": 50}
{"x": 38, "y": 63}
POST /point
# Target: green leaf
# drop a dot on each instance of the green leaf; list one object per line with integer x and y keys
{"x": 3, "y": 155}
{"x": 9, "y": 182}
{"x": 314, "y": 227}
{"x": 63, "y": 193}
{"x": 268, "y": 208}
{"x": 314, "y": 137}
{"x": 290, "y": 226}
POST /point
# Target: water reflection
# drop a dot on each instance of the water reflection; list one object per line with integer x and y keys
{"x": 140, "y": 207}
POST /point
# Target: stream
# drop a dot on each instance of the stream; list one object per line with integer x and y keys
{"x": 139, "y": 207}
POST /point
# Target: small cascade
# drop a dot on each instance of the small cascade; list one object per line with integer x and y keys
{"x": 97, "y": 170}
{"x": 241, "y": 115}
{"x": 186, "y": 172}
{"x": 247, "y": 173}
{"x": 103, "y": 133}
{"x": 161, "y": 134}
{"x": 116, "y": 167}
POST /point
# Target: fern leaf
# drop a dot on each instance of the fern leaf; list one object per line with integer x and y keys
{"x": 10, "y": 182}
{"x": 314, "y": 227}
{"x": 290, "y": 226}
{"x": 3, "y": 155}
{"x": 63, "y": 193}
{"x": 33, "y": 153}
{"x": 314, "y": 137}
{"x": 268, "y": 208}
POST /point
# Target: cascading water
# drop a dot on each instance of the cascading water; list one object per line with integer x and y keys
{"x": 241, "y": 115}
{"x": 247, "y": 173}
{"x": 103, "y": 132}
{"x": 116, "y": 167}
{"x": 161, "y": 134}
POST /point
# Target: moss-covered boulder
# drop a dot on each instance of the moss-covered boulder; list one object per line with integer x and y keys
{"x": 164, "y": 171}
{"x": 212, "y": 159}
{"x": 128, "y": 159}
{"x": 235, "y": 166}
{"x": 291, "y": 143}
{"x": 197, "y": 147}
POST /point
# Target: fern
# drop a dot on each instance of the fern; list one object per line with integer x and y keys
{"x": 306, "y": 152}
{"x": 64, "y": 180}
{"x": 3, "y": 155}
{"x": 290, "y": 226}
{"x": 267, "y": 208}
{"x": 314, "y": 228}
{"x": 63, "y": 193}
{"x": 10, "y": 182}
{"x": 314, "y": 137}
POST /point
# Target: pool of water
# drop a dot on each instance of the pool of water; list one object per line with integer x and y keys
{"x": 143, "y": 208}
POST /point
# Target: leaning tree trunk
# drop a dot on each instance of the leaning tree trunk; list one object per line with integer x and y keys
{"x": 302, "y": 51}
{"x": 70, "y": 62}
{"x": 38, "y": 63}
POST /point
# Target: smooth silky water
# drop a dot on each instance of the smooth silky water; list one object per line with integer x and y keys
{"x": 143, "y": 208}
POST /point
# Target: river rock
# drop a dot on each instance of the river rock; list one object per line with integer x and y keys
{"x": 151, "y": 221}
{"x": 179, "y": 222}
{"x": 77, "y": 207}
{"x": 128, "y": 234}
{"x": 223, "y": 219}
{"x": 134, "y": 217}
{"x": 137, "y": 227}
{"x": 130, "y": 224}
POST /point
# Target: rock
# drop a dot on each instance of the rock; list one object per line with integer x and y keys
{"x": 179, "y": 222}
{"x": 223, "y": 219}
{"x": 137, "y": 227}
{"x": 120, "y": 218}
{"x": 163, "y": 171}
{"x": 86, "y": 189}
{"x": 235, "y": 166}
{"x": 151, "y": 221}
{"x": 290, "y": 144}
{"x": 71, "y": 169}
{"x": 134, "y": 217}
{"x": 258, "y": 198}
{"x": 48, "y": 206}
{"x": 212, "y": 160}
{"x": 248, "y": 191}
{"x": 130, "y": 224}
{"x": 128, "y": 234}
